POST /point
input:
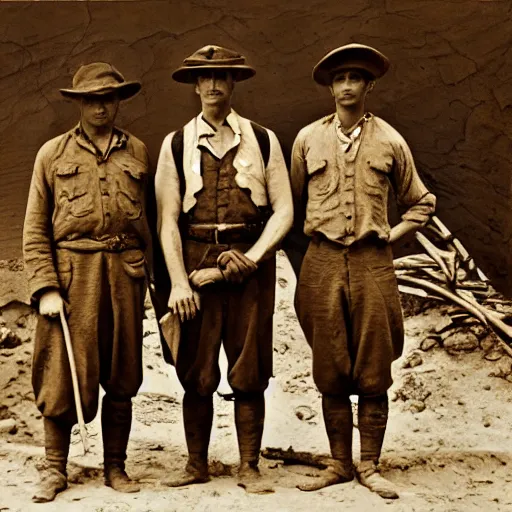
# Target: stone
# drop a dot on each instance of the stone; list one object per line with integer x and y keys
{"x": 415, "y": 406}
{"x": 304, "y": 412}
{"x": 488, "y": 342}
{"x": 429, "y": 343}
{"x": 412, "y": 360}
{"x": 9, "y": 339}
{"x": 461, "y": 341}
{"x": 8, "y": 426}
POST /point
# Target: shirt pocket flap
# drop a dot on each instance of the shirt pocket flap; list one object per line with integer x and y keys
{"x": 66, "y": 169}
{"x": 381, "y": 163}
{"x": 315, "y": 165}
{"x": 133, "y": 167}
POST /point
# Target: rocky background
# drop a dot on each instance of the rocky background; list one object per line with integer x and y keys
{"x": 449, "y": 91}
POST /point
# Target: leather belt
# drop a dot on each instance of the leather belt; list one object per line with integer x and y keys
{"x": 224, "y": 233}
{"x": 114, "y": 243}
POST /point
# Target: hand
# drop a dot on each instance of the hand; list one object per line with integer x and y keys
{"x": 200, "y": 278}
{"x": 184, "y": 302}
{"x": 51, "y": 303}
{"x": 235, "y": 265}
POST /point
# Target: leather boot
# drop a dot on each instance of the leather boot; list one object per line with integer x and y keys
{"x": 116, "y": 423}
{"x": 373, "y": 417}
{"x": 249, "y": 420}
{"x": 197, "y": 419}
{"x": 338, "y": 420}
{"x": 53, "y": 477}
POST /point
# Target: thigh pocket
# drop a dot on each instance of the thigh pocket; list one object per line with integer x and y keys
{"x": 133, "y": 263}
{"x": 64, "y": 270}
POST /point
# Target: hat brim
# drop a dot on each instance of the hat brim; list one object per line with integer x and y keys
{"x": 124, "y": 91}
{"x": 188, "y": 74}
{"x": 350, "y": 57}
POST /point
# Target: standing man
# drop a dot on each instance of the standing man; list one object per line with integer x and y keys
{"x": 83, "y": 241}
{"x": 343, "y": 166}
{"x": 224, "y": 203}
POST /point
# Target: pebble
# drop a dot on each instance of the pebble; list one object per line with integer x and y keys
{"x": 416, "y": 406}
{"x": 487, "y": 387}
{"x": 8, "y": 425}
{"x": 429, "y": 343}
{"x": 304, "y": 412}
{"x": 412, "y": 360}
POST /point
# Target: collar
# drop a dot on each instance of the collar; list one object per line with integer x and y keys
{"x": 118, "y": 140}
{"x": 205, "y": 129}
{"x": 348, "y": 137}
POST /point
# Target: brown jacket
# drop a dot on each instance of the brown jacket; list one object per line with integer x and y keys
{"x": 75, "y": 194}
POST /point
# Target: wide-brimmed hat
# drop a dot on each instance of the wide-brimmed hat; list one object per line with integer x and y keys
{"x": 100, "y": 78}
{"x": 213, "y": 57}
{"x": 350, "y": 56}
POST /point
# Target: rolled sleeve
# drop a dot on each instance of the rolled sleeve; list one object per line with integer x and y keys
{"x": 411, "y": 192}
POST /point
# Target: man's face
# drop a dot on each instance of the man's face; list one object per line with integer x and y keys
{"x": 349, "y": 88}
{"x": 99, "y": 110}
{"x": 215, "y": 87}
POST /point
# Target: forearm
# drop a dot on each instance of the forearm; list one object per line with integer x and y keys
{"x": 402, "y": 229}
{"x": 275, "y": 230}
{"x": 170, "y": 239}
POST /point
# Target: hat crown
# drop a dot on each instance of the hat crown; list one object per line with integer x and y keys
{"x": 214, "y": 55}
{"x": 97, "y": 75}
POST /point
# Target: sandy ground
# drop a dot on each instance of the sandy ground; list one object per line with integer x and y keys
{"x": 448, "y": 446}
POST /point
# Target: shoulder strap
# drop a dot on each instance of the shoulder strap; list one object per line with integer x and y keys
{"x": 177, "y": 153}
{"x": 263, "y": 141}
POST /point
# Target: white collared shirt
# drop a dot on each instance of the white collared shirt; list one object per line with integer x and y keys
{"x": 206, "y": 132}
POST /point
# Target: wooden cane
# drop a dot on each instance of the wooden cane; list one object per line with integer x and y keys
{"x": 74, "y": 380}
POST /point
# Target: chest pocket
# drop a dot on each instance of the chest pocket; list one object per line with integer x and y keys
{"x": 378, "y": 174}
{"x": 72, "y": 188}
{"x": 131, "y": 175}
{"x": 321, "y": 183}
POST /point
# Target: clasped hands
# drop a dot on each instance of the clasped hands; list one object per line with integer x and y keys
{"x": 233, "y": 266}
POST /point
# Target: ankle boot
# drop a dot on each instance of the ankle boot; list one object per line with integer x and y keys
{"x": 249, "y": 421}
{"x": 373, "y": 417}
{"x": 116, "y": 423}
{"x": 338, "y": 420}
{"x": 53, "y": 477}
{"x": 197, "y": 419}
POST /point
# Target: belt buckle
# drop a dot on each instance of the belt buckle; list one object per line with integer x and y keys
{"x": 220, "y": 227}
{"x": 114, "y": 243}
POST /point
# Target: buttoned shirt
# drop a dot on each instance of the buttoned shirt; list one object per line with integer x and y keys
{"x": 347, "y": 179}
{"x": 78, "y": 192}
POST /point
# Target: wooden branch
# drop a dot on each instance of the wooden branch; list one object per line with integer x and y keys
{"x": 290, "y": 456}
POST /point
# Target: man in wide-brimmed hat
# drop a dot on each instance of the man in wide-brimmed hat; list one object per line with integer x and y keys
{"x": 84, "y": 239}
{"x": 224, "y": 203}
{"x": 347, "y": 301}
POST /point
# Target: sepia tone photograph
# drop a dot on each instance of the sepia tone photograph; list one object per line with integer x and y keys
{"x": 256, "y": 255}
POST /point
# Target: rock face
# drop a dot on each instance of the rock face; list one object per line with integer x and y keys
{"x": 449, "y": 91}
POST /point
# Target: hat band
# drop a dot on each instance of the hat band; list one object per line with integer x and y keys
{"x": 216, "y": 62}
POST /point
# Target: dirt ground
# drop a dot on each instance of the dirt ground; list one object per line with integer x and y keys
{"x": 448, "y": 446}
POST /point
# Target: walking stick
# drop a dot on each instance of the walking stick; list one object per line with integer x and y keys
{"x": 74, "y": 380}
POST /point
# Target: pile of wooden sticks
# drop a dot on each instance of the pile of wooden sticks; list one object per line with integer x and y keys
{"x": 447, "y": 272}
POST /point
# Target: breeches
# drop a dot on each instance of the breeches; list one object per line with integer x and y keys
{"x": 237, "y": 315}
{"x": 104, "y": 292}
{"x": 348, "y": 305}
